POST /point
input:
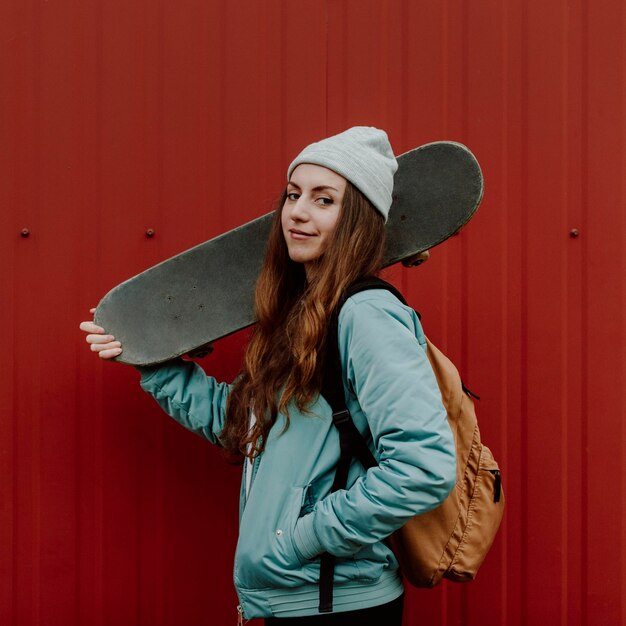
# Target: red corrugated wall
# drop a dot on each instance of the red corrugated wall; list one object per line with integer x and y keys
{"x": 181, "y": 116}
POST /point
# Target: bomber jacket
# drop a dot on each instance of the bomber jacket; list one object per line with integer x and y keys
{"x": 289, "y": 517}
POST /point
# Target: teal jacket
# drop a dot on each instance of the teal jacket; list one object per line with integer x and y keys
{"x": 289, "y": 516}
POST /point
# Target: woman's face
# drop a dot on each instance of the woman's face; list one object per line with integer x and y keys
{"x": 311, "y": 210}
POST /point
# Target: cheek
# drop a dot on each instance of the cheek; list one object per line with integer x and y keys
{"x": 330, "y": 222}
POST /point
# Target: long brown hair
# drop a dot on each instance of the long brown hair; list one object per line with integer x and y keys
{"x": 284, "y": 358}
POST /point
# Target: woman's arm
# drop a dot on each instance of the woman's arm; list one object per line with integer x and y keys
{"x": 183, "y": 390}
{"x": 389, "y": 372}
{"x": 186, "y": 393}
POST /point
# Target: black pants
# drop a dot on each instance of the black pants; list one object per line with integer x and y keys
{"x": 389, "y": 614}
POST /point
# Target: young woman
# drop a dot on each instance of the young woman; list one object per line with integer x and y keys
{"x": 328, "y": 232}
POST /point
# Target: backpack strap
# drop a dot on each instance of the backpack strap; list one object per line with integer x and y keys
{"x": 351, "y": 442}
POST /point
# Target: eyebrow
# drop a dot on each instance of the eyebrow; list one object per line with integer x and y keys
{"x": 318, "y": 188}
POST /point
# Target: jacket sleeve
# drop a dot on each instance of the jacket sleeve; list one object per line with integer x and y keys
{"x": 186, "y": 393}
{"x": 390, "y": 374}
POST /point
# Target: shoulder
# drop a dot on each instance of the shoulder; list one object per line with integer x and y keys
{"x": 377, "y": 313}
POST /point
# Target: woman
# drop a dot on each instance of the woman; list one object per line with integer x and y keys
{"x": 328, "y": 232}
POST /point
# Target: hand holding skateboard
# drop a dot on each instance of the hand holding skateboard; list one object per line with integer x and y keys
{"x": 105, "y": 345}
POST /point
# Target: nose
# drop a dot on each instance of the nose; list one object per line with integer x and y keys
{"x": 299, "y": 210}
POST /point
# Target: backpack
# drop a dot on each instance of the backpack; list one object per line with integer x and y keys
{"x": 452, "y": 540}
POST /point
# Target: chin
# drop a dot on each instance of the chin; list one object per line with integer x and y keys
{"x": 301, "y": 256}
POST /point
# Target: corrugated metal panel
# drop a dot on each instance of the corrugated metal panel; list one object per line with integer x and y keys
{"x": 117, "y": 117}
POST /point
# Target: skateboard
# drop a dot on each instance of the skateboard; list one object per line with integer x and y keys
{"x": 207, "y": 292}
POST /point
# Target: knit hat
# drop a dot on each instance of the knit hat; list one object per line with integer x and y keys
{"x": 363, "y": 156}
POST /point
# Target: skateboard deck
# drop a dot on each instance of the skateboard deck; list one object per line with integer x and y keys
{"x": 207, "y": 292}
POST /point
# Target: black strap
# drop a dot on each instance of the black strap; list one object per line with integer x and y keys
{"x": 370, "y": 282}
{"x": 327, "y": 572}
{"x": 351, "y": 442}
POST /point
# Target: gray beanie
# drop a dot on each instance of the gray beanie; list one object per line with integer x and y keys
{"x": 363, "y": 156}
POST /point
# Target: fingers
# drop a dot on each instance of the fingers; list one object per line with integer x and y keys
{"x": 90, "y": 327}
{"x": 100, "y": 340}
{"x": 101, "y": 347}
{"x": 107, "y": 350}
{"x": 105, "y": 345}
{"x": 110, "y": 354}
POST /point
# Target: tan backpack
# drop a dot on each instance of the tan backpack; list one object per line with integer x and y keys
{"x": 452, "y": 540}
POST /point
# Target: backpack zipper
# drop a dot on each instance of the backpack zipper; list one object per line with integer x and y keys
{"x": 497, "y": 485}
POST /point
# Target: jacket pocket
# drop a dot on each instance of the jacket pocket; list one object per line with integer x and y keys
{"x": 265, "y": 556}
{"x": 309, "y": 499}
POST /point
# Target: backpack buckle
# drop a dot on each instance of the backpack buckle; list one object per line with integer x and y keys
{"x": 341, "y": 417}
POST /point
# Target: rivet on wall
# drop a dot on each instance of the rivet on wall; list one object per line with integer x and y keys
{"x": 150, "y": 232}
{"x": 25, "y": 232}
{"x": 574, "y": 233}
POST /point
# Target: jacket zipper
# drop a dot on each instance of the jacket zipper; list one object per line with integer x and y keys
{"x": 239, "y": 615}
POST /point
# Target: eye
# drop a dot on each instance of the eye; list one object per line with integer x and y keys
{"x": 293, "y": 196}
{"x": 325, "y": 201}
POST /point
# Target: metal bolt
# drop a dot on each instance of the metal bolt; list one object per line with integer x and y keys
{"x": 150, "y": 232}
{"x": 25, "y": 232}
{"x": 574, "y": 233}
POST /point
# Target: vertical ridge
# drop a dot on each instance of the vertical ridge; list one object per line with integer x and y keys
{"x": 621, "y": 228}
{"x": 326, "y": 64}
{"x": 504, "y": 302}
{"x": 524, "y": 492}
{"x": 584, "y": 310}
{"x": 34, "y": 419}
{"x": 565, "y": 330}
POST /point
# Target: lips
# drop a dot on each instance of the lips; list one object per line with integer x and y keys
{"x": 299, "y": 234}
